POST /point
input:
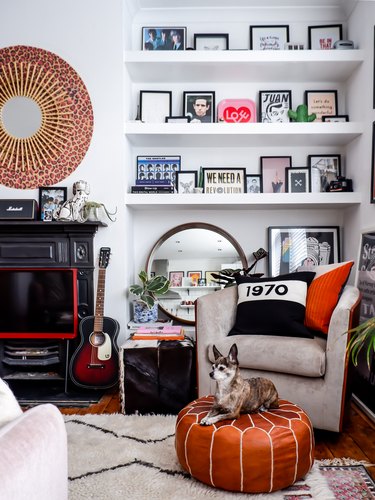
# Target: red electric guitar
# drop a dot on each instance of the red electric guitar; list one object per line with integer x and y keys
{"x": 95, "y": 363}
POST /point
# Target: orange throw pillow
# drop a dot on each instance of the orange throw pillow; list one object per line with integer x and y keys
{"x": 324, "y": 293}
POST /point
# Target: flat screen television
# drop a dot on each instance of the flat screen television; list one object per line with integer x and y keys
{"x": 38, "y": 303}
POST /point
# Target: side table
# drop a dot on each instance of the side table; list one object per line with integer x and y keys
{"x": 157, "y": 376}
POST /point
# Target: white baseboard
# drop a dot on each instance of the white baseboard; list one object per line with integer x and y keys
{"x": 364, "y": 408}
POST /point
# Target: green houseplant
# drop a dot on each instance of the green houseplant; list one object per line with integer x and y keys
{"x": 360, "y": 336}
{"x": 145, "y": 306}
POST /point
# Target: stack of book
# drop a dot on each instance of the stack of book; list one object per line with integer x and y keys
{"x": 160, "y": 333}
{"x": 152, "y": 187}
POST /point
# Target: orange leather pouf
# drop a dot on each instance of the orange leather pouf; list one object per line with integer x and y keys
{"x": 256, "y": 453}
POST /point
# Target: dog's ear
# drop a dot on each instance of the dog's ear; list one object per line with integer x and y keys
{"x": 233, "y": 353}
{"x": 217, "y": 353}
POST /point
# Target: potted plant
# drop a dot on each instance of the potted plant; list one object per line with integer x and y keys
{"x": 145, "y": 306}
{"x": 362, "y": 335}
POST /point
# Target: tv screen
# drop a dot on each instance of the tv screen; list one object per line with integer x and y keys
{"x": 38, "y": 303}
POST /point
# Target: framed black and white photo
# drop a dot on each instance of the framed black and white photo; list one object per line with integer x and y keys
{"x": 155, "y": 105}
{"x": 321, "y": 102}
{"x": 157, "y": 170}
{"x": 291, "y": 247}
{"x": 269, "y": 37}
{"x": 273, "y": 170}
{"x": 177, "y": 119}
{"x": 49, "y": 200}
{"x": 324, "y": 37}
{"x": 254, "y": 183}
{"x": 161, "y": 38}
{"x": 199, "y": 106}
{"x": 274, "y": 105}
{"x": 335, "y": 118}
{"x": 298, "y": 180}
{"x": 211, "y": 41}
{"x": 186, "y": 181}
{"x": 224, "y": 180}
{"x": 323, "y": 170}
{"x": 365, "y": 276}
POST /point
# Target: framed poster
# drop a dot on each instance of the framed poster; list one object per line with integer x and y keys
{"x": 186, "y": 181}
{"x": 225, "y": 180}
{"x": 49, "y": 199}
{"x": 175, "y": 277}
{"x": 195, "y": 276}
{"x": 324, "y": 169}
{"x": 159, "y": 38}
{"x": 211, "y": 41}
{"x": 321, "y": 102}
{"x": 273, "y": 169}
{"x": 365, "y": 273}
{"x": 254, "y": 183}
{"x": 298, "y": 180}
{"x": 274, "y": 105}
{"x": 155, "y": 105}
{"x": 199, "y": 106}
{"x": 269, "y": 37}
{"x": 154, "y": 170}
{"x": 324, "y": 37}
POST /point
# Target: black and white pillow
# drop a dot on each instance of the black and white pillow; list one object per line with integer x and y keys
{"x": 272, "y": 306}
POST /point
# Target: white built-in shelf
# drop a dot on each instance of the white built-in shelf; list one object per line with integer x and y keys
{"x": 261, "y": 201}
{"x": 242, "y": 65}
{"x": 241, "y": 134}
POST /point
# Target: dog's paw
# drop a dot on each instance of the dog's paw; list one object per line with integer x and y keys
{"x": 205, "y": 421}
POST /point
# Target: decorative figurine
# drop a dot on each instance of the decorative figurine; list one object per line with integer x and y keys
{"x": 71, "y": 210}
{"x": 301, "y": 114}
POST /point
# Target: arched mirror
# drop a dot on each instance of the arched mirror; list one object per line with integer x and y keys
{"x": 188, "y": 255}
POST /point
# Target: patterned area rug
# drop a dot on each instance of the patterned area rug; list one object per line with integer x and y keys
{"x": 116, "y": 457}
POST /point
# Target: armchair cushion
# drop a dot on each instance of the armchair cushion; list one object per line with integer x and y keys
{"x": 9, "y": 407}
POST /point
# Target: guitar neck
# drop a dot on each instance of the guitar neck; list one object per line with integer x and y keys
{"x": 99, "y": 307}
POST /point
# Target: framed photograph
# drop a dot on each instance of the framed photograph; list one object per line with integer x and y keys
{"x": 269, "y": 37}
{"x": 321, "y": 102}
{"x": 224, "y": 180}
{"x": 273, "y": 169}
{"x": 199, "y": 106}
{"x": 323, "y": 169}
{"x": 154, "y": 170}
{"x": 295, "y": 246}
{"x": 195, "y": 276}
{"x": 155, "y": 105}
{"x": 175, "y": 277}
{"x": 177, "y": 119}
{"x": 211, "y": 41}
{"x": 160, "y": 38}
{"x": 274, "y": 105}
{"x": 210, "y": 280}
{"x": 324, "y": 37}
{"x": 298, "y": 180}
{"x": 49, "y": 199}
{"x": 254, "y": 183}
{"x": 335, "y": 118}
{"x": 365, "y": 273}
{"x": 186, "y": 181}
{"x": 202, "y": 282}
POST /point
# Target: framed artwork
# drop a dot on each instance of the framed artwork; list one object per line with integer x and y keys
{"x": 274, "y": 105}
{"x": 159, "y": 38}
{"x": 199, "y": 106}
{"x": 155, "y": 105}
{"x": 335, "y": 118}
{"x": 224, "y": 180}
{"x": 254, "y": 183}
{"x": 154, "y": 170}
{"x": 195, "y": 276}
{"x": 236, "y": 111}
{"x": 365, "y": 273}
{"x": 211, "y": 41}
{"x": 177, "y": 119}
{"x": 324, "y": 169}
{"x": 273, "y": 169}
{"x": 321, "y": 102}
{"x": 210, "y": 280}
{"x": 175, "y": 277}
{"x": 372, "y": 199}
{"x": 186, "y": 181}
{"x": 269, "y": 37}
{"x": 324, "y": 37}
{"x": 291, "y": 247}
{"x": 49, "y": 199}
{"x": 202, "y": 282}
{"x": 298, "y": 180}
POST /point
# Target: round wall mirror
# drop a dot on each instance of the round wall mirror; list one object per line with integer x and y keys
{"x": 188, "y": 255}
{"x": 21, "y": 117}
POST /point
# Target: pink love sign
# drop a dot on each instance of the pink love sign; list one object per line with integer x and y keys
{"x": 236, "y": 111}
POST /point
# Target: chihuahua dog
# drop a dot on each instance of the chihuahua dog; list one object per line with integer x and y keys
{"x": 235, "y": 395}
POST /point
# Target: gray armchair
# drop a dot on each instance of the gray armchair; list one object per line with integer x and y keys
{"x": 309, "y": 372}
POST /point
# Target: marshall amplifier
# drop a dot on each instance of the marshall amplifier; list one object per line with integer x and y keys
{"x": 18, "y": 209}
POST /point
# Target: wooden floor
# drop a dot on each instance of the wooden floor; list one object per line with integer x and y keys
{"x": 356, "y": 441}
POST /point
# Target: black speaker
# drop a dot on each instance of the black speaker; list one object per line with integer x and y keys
{"x": 18, "y": 209}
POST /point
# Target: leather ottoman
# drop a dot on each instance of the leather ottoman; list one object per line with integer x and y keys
{"x": 256, "y": 453}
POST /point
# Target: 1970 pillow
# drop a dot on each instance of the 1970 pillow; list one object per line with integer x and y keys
{"x": 272, "y": 306}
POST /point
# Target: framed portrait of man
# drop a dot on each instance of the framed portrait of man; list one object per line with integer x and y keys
{"x": 200, "y": 106}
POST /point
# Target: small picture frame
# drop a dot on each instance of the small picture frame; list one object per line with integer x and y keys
{"x": 298, "y": 180}
{"x": 274, "y": 105}
{"x": 324, "y": 37}
{"x": 195, "y": 276}
{"x": 273, "y": 170}
{"x": 224, "y": 180}
{"x": 49, "y": 199}
{"x": 157, "y": 170}
{"x": 211, "y": 41}
{"x": 323, "y": 170}
{"x": 321, "y": 102}
{"x": 254, "y": 183}
{"x": 210, "y": 280}
{"x": 335, "y": 118}
{"x": 202, "y": 282}
{"x": 163, "y": 38}
{"x": 175, "y": 277}
{"x": 155, "y": 105}
{"x": 186, "y": 181}
{"x": 199, "y": 106}
{"x": 177, "y": 119}
{"x": 272, "y": 37}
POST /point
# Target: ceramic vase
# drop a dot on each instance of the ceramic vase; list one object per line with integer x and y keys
{"x": 142, "y": 314}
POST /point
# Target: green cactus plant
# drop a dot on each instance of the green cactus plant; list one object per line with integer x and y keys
{"x": 150, "y": 288}
{"x": 301, "y": 114}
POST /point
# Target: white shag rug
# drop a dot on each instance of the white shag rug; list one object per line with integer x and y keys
{"x": 133, "y": 457}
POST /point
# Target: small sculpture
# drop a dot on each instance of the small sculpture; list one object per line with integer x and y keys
{"x": 91, "y": 211}
{"x": 301, "y": 114}
{"x": 71, "y": 210}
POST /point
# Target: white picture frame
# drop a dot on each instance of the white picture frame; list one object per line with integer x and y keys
{"x": 155, "y": 105}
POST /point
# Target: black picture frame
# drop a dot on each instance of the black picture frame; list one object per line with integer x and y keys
{"x": 189, "y": 99}
{"x": 220, "y": 39}
{"x": 323, "y": 169}
{"x": 155, "y": 105}
{"x": 291, "y": 247}
{"x": 224, "y": 180}
{"x": 186, "y": 181}
{"x": 372, "y": 195}
{"x": 332, "y": 33}
{"x": 254, "y": 183}
{"x": 53, "y": 196}
{"x": 321, "y": 102}
{"x": 274, "y": 105}
{"x": 335, "y": 118}
{"x": 162, "y": 38}
{"x": 273, "y": 170}
{"x": 364, "y": 273}
{"x": 177, "y": 119}
{"x": 148, "y": 169}
{"x": 373, "y": 71}
{"x": 298, "y": 180}
{"x": 277, "y": 36}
